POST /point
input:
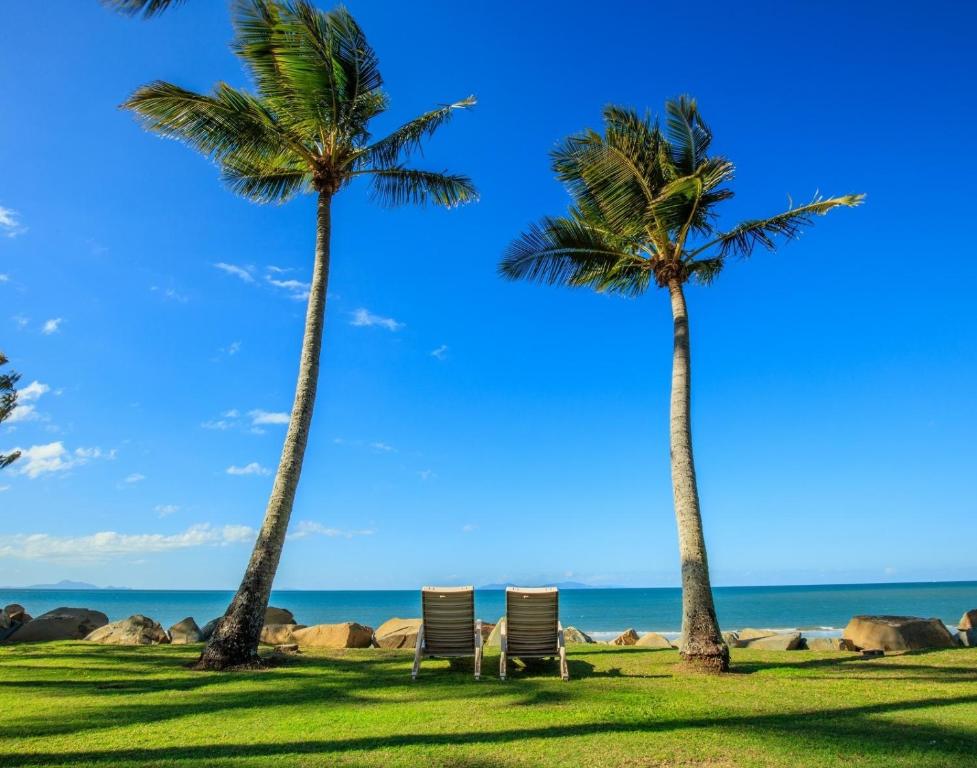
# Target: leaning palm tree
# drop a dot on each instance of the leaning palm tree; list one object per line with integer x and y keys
{"x": 306, "y": 130}
{"x": 644, "y": 215}
{"x": 8, "y": 401}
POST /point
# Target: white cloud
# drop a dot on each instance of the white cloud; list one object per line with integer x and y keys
{"x": 52, "y": 326}
{"x": 54, "y": 457}
{"x": 441, "y": 352}
{"x": 4, "y": 488}
{"x": 233, "y": 348}
{"x": 164, "y": 510}
{"x": 468, "y": 528}
{"x": 365, "y": 318}
{"x": 259, "y": 417}
{"x": 21, "y": 321}
{"x": 382, "y": 447}
{"x": 426, "y": 474}
{"x": 296, "y": 289}
{"x": 254, "y": 468}
{"x": 233, "y": 269}
{"x": 109, "y": 544}
{"x": 32, "y": 391}
{"x": 218, "y": 424}
{"x": 280, "y": 270}
{"x": 170, "y": 295}
{"x": 135, "y": 477}
{"x": 4, "y": 278}
{"x": 306, "y": 528}
{"x": 10, "y": 223}
{"x": 25, "y": 409}
{"x": 233, "y": 413}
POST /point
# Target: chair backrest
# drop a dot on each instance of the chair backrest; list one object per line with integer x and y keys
{"x": 531, "y": 619}
{"x": 449, "y": 620}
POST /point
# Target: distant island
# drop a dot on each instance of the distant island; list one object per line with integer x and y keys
{"x": 557, "y": 584}
{"x": 65, "y": 584}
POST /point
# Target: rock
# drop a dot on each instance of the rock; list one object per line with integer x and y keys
{"x": 574, "y": 635}
{"x": 209, "y": 628}
{"x": 346, "y": 635}
{"x": 60, "y": 624}
{"x": 731, "y": 638}
{"x": 788, "y": 641}
{"x": 967, "y": 638}
{"x": 754, "y": 634}
{"x": 897, "y": 633}
{"x": 279, "y": 634}
{"x": 278, "y": 616}
{"x": 494, "y": 639}
{"x": 968, "y": 620}
{"x": 487, "y": 629}
{"x": 627, "y": 637}
{"x": 185, "y": 632}
{"x": 397, "y": 633}
{"x": 15, "y": 613}
{"x": 653, "y": 640}
{"x": 136, "y": 630}
{"x": 829, "y": 644}
{"x": 287, "y": 647}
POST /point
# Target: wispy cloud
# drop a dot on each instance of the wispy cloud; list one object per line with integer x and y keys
{"x": 4, "y": 488}
{"x": 135, "y": 477}
{"x": 441, "y": 352}
{"x": 260, "y": 417}
{"x": 426, "y": 474}
{"x": 365, "y": 319}
{"x": 468, "y": 528}
{"x": 4, "y": 278}
{"x": 169, "y": 294}
{"x": 242, "y": 273}
{"x": 254, "y": 468}
{"x": 21, "y": 321}
{"x": 306, "y": 528}
{"x": 54, "y": 457}
{"x": 295, "y": 289}
{"x": 51, "y": 326}
{"x": 382, "y": 447}
{"x": 107, "y": 545}
{"x": 165, "y": 510}
{"x": 10, "y": 225}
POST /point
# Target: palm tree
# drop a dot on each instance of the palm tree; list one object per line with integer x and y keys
{"x": 147, "y": 8}
{"x": 644, "y": 215}
{"x": 318, "y": 86}
{"x": 8, "y": 401}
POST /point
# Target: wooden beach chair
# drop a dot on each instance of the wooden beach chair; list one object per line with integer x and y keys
{"x": 448, "y": 627}
{"x": 532, "y": 629}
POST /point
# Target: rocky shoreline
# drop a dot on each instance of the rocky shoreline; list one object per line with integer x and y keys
{"x": 862, "y": 634}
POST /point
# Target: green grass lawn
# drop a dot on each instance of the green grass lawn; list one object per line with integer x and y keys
{"x": 78, "y": 704}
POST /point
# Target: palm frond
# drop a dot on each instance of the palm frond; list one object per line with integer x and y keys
{"x": 565, "y": 251}
{"x": 688, "y": 135}
{"x": 269, "y": 180}
{"x": 407, "y": 139}
{"x": 705, "y": 271}
{"x": 398, "y": 185}
{"x": 744, "y": 238}
{"x": 148, "y": 8}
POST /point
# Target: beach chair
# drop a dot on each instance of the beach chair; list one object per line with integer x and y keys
{"x": 448, "y": 627}
{"x": 531, "y": 628}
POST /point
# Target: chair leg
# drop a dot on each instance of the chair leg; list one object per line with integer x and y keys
{"x": 564, "y": 670}
{"x": 502, "y": 667}
{"x": 478, "y": 663}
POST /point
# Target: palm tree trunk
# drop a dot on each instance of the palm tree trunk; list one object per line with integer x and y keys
{"x": 702, "y": 644}
{"x": 235, "y": 641}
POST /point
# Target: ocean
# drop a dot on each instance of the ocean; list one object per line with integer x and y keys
{"x": 818, "y": 610}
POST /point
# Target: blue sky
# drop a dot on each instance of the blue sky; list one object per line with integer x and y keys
{"x": 471, "y": 430}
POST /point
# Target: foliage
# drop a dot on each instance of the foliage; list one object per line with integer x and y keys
{"x": 8, "y": 401}
{"x": 307, "y": 128}
{"x": 83, "y": 704}
{"x": 147, "y": 8}
{"x": 644, "y": 208}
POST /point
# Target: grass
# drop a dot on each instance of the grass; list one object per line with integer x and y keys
{"x": 80, "y": 704}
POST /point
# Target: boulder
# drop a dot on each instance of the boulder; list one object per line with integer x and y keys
{"x": 574, "y": 635}
{"x": 829, "y": 644}
{"x": 627, "y": 637}
{"x": 136, "y": 630}
{"x": 968, "y": 620}
{"x": 349, "y": 634}
{"x": 754, "y": 634}
{"x": 653, "y": 640}
{"x": 60, "y": 624}
{"x": 287, "y": 647}
{"x": 397, "y": 633}
{"x": 967, "y": 638}
{"x": 487, "y": 628}
{"x": 185, "y": 632}
{"x": 897, "y": 633}
{"x": 209, "y": 628}
{"x": 16, "y": 613}
{"x": 279, "y": 634}
{"x": 494, "y": 639}
{"x": 731, "y": 638}
{"x": 278, "y": 616}
{"x": 788, "y": 641}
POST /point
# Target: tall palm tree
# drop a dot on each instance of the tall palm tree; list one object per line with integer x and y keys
{"x": 306, "y": 130}
{"x": 8, "y": 401}
{"x": 643, "y": 215}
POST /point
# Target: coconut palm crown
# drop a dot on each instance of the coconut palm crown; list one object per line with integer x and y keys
{"x": 644, "y": 214}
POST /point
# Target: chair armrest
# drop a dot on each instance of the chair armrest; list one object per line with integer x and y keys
{"x": 559, "y": 635}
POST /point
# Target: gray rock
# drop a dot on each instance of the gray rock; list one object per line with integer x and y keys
{"x": 185, "y": 632}
{"x": 653, "y": 640}
{"x": 574, "y": 635}
{"x": 788, "y": 641}
{"x": 967, "y": 638}
{"x": 627, "y": 637}
{"x": 731, "y": 638}
{"x": 15, "y": 613}
{"x": 209, "y": 628}
{"x": 897, "y": 633}
{"x": 278, "y": 616}
{"x": 829, "y": 644}
{"x": 968, "y": 620}
{"x": 59, "y": 624}
{"x": 397, "y": 633}
{"x": 136, "y": 630}
{"x": 754, "y": 634}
